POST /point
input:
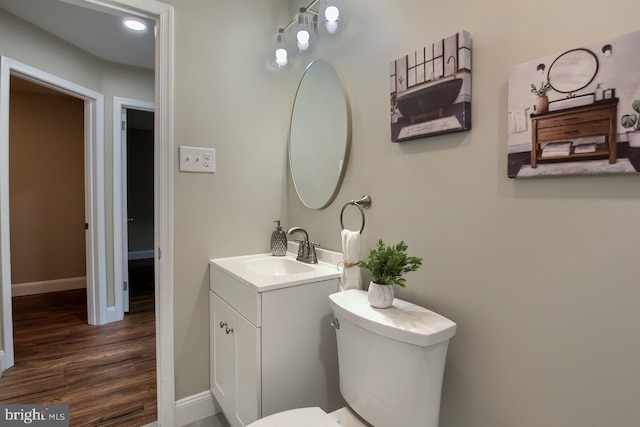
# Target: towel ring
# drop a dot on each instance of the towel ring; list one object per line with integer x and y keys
{"x": 363, "y": 203}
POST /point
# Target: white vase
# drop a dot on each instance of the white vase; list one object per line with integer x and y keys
{"x": 380, "y": 296}
{"x": 634, "y": 138}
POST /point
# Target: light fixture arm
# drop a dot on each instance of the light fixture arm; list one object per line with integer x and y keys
{"x": 307, "y": 25}
{"x": 306, "y": 9}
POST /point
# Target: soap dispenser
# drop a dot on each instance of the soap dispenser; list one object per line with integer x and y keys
{"x": 599, "y": 93}
{"x": 278, "y": 241}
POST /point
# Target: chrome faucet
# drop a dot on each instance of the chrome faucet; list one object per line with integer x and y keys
{"x": 307, "y": 249}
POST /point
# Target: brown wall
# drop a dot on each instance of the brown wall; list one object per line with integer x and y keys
{"x": 46, "y": 184}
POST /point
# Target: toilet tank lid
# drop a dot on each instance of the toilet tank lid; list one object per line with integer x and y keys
{"x": 403, "y": 321}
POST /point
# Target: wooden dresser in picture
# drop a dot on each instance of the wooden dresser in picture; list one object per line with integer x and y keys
{"x": 597, "y": 119}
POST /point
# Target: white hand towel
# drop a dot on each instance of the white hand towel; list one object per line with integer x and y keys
{"x": 518, "y": 121}
{"x": 350, "y": 276}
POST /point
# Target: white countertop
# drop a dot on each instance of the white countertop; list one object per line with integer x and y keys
{"x": 236, "y": 267}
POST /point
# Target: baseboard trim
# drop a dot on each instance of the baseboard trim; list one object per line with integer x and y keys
{"x": 44, "y": 286}
{"x": 196, "y": 407}
{"x": 132, "y": 255}
{"x": 111, "y": 315}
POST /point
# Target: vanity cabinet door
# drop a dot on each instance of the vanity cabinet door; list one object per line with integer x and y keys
{"x": 248, "y": 371}
{"x": 222, "y": 364}
{"x": 235, "y": 363}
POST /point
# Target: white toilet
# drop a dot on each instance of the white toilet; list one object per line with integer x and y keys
{"x": 391, "y": 362}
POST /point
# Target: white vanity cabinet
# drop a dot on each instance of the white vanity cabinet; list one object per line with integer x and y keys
{"x": 235, "y": 362}
{"x": 272, "y": 346}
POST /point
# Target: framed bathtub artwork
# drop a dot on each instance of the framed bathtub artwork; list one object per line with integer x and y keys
{"x": 430, "y": 89}
{"x": 576, "y": 112}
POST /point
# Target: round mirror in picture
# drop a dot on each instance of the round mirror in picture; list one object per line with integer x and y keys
{"x": 573, "y": 70}
{"x": 320, "y": 135}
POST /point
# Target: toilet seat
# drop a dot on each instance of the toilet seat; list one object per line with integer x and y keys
{"x": 307, "y": 417}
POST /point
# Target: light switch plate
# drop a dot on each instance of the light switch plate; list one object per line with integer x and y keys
{"x": 196, "y": 159}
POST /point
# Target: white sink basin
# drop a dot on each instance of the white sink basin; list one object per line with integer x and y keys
{"x": 264, "y": 272}
{"x": 276, "y": 266}
{"x": 578, "y": 101}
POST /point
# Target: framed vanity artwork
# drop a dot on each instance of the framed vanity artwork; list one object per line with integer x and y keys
{"x": 430, "y": 89}
{"x": 576, "y": 112}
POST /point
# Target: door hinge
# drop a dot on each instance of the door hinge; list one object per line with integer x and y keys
{"x": 86, "y": 225}
{"x": 125, "y": 286}
{"x": 159, "y": 253}
{"x": 124, "y": 125}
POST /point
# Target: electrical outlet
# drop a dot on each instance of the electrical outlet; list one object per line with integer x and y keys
{"x": 196, "y": 159}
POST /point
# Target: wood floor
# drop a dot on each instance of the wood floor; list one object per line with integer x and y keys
{"x": 106, "y": 374}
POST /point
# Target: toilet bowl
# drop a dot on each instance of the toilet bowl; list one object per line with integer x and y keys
{"x": 391, "y": 363}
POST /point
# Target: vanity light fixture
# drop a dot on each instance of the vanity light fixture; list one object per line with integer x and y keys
{"x": 326, "y": 18}
{"x": 541, "y": 68}
{"x": 134, "y": 24}
{"x": 607, "y": 50}
{"x": 331, "y": 21}
{"x": 305, "y": 31}
{"x": 281, "y": 56}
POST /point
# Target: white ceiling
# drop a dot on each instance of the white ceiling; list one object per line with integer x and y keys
{"x": 98, "y": 33}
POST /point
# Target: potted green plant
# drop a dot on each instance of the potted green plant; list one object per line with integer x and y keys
{"x": 387, "y": 264}
{"x": 631, "y": 121}
{"x": 542, "y": 102}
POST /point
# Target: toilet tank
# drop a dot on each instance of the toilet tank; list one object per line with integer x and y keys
{"x": 391, "y": 361}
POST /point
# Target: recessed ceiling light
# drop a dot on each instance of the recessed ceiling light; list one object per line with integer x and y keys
{"x": 134, "y": 24}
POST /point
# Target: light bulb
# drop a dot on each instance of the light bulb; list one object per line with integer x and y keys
{"x": 331, "y": 26}
{"x": 303, "y": 37}
{"x": 332, "y": 13}
{"x": 281, "y": 53}
{"x": 303, "y": 46}
{"x": 281, "y": 57}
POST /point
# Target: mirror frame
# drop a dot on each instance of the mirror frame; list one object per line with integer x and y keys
{"x": 595, "y": 73}
{"x": 347, "y": 149}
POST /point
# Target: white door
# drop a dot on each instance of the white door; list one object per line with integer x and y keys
{"x": 125, "y": 217}
{"x": 131, "y": 217}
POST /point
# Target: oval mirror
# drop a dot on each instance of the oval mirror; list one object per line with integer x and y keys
{"x": 320, "y": 135}
{"x": 573, "y": 70}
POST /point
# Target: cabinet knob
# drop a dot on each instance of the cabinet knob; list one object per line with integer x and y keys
{"x": 223, "y": 324}
{"x": 228, "y": 330}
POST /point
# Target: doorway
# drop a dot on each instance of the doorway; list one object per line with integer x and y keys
{"x": 93, "y": 187}
{"x": 163, "y": 15}
{"x": 133, "y": 198}
{"x": 46, "y": 190}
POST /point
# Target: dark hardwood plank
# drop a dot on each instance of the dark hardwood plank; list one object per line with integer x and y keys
{"x": 107, "y": 374}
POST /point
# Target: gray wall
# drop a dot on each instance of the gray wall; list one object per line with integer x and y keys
{"x": 227, "y": 98}
{"x": 540, "y": 275}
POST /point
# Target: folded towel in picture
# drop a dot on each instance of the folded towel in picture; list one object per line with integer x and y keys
{"x": 556, "y": 149}
{"x": 350, "y": 276}
{"x": 557, "y": 146}
{"x": 585, "y": 148}
{"x": 555, "y": 153}
{"x": 590, "y": 140}
{"x": 518, "y": 121}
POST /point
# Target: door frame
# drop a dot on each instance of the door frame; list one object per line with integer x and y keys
{"x": 120, "y": 224}
{"x": 94, "y": 193}
{"x": 164, "y": 15}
